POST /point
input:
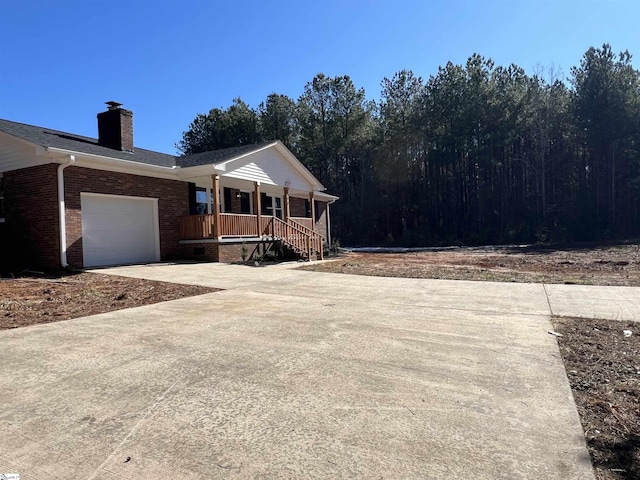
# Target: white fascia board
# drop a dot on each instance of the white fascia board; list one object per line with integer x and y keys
{"x": 297, "y": 164}
{"x": 100, "y": 162}
{"x": 197, "y": 171}
{"x": 222, "y": 166}
{"x": 325, "y": 197}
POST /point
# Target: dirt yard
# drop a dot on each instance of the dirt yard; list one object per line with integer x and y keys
{"x": 34, "y": 300}
{"x": 615, "y": 265}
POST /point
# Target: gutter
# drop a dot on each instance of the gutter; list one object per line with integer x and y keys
{"x": 112, "y": 161}
{"x": 61, "y": 215}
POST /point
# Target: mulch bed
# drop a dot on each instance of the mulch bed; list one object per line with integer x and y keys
{"x": 603, "y": 367}
{"x": 35, "y": 300}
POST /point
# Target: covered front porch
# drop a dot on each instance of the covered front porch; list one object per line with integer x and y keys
{"x": 235, "y": 210}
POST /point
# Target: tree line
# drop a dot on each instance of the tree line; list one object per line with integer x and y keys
{"x": 476, "y": 154}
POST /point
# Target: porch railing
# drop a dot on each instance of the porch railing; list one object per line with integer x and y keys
{"x": 238, "y": 225}
{"x": 196, "y": 227}
{"x": 296, "y": 235}
{"x": 304, "y": 221}
{"x": 299, "y": 238}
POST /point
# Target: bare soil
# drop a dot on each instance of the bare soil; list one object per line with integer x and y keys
{"x": 603, "y": 367}
{"x": 35, "y": 300}
{"x": 602, "y": 364}
{"x": 613, "y": 265}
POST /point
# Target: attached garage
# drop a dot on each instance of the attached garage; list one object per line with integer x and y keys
{"x": 118, "y": 230}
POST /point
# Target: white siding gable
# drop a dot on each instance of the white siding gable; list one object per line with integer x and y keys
{"x": 15, "y": 154}
{"x": 268, "y": 167}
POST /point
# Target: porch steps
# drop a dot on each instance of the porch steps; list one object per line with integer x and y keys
{"x": 303, "y": 241}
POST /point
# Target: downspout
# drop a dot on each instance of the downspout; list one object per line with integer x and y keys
{"x": 329, "y": 223}
{"x": 63, "y": 223}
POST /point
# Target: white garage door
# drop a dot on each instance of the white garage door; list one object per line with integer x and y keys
{"x": 118, "y": 230}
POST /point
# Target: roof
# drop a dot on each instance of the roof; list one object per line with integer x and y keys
{"x": 46, "y": 137}
{"x": 217, "y": 156}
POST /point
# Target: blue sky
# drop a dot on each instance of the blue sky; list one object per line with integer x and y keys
{"x": 169, "y": 60}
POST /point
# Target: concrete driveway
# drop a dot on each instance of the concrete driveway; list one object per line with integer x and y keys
{"x": 293, "y": 374}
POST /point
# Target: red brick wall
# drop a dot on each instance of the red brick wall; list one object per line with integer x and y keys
{"x": 31, "y": 206}
{"x": 199, "y": 251}
{"x": 321, "y": 222}
{"x": 217, "y": 252}
{"x": 298, "y": 207}
{"x": 173, "y": 203}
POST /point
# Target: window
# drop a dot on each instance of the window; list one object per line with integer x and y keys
{"x": 1, "y": 198}
{"x": 271, "y": 206}
{"x": 201, "y": 201}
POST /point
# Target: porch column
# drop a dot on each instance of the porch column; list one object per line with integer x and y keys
{"x": 312, "y": 206}
{"x": 287, "y": 206}
{"x": 257, "y": 207}
{"x": 217, "y": 231}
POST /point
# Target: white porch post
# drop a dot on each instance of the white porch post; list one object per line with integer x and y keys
{"x": 312, "y": 206}
{"x": 257, "y": 207}
{"x": 287, "y": 206}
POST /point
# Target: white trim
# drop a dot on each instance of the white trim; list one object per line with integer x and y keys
{"x": 125, "y": 197}
{"x": 111, "y": 164}
{"x": 62, "y": 212}
{"x": 325, "y": 197}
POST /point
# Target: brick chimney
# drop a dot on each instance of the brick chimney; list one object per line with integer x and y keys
{"x": 115, "y": 128}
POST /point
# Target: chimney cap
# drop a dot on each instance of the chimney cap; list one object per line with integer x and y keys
{"x": 113, "y": 105}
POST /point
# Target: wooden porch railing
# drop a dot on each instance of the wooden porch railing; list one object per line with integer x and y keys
{"x": 238, "y": 225}
{"x": 196, "y": 227}
{"x": 300, "y": 238}
{"x": 304, "y": 221}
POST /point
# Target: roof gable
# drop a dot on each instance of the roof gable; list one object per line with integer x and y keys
{"x": 269, "y": 168}
{"x": 272, "y": 164}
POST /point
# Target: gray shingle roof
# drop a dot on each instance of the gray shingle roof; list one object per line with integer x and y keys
{"x": 217, "y": 156}
{"x": 47, "y": 137}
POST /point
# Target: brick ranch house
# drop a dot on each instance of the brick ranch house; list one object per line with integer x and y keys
{"x": 68, "y": 200}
